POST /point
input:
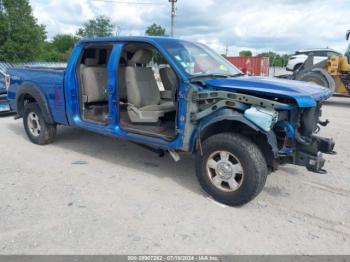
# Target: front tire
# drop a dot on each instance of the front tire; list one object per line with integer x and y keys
{"x": 232, "y": 169}
{"x": 37, "y": 130}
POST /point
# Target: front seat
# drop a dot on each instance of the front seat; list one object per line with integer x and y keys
{"x": 169, "y": 80}
{"x": 144, "y": 101}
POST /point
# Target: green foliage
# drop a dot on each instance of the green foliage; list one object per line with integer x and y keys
{"x": 64, "y": 43}
{"x": 276, "y": 59}
{"x": 155, "y": 30}
{"x": 245, "y": 53}
{"x": 59, "y": 49}
{"x": 21, "y": 37}
{"x": 99, "y": 27}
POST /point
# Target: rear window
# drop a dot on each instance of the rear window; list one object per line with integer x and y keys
{"x": 90, "y": 53}
{"x": 301, "y": 53}
{"x": 324, "y": 53}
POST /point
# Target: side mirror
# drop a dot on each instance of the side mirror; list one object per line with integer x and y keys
{"x": 347, "y": 35}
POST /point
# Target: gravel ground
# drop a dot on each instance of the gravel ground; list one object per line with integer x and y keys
{"x": 89, "y": 194}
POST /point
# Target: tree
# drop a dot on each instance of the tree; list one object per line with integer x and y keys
{"x": 155, "y": 30}
{"x": 245, "y": 53}
{"x": 276, "y": 59}
{"x": 64, "y": 43}
{"x": 99, "y": 27}
{"x": 21, "y": 37}
{"x": 59, "y": 49}
{"x": 49, "y": 53}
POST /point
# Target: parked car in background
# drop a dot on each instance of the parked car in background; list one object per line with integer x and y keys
{"x": 4, "y": 84}
{"x": 299, "y": 57}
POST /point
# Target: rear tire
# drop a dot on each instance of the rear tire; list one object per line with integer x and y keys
{"x": 37, "y": 130}
{"x": 226, "y": 156}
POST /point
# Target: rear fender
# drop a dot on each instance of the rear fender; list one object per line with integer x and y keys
{"x": 30, "y": 90}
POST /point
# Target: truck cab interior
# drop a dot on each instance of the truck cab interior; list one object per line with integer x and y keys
{"x": 93, "y": 83}
{"x": 147, "y": 92}
{"x": 146, "y": 84}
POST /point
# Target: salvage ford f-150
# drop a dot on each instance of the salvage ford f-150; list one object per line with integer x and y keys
{"x": 177, "y": 96}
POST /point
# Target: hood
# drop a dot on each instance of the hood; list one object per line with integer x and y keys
{"x": 305, "y": 94}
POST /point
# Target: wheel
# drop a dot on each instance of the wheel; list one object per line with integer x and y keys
{"x": 318, "y": 78}
{"x": 232, "y": 169}
{"x": 38, "y": 131}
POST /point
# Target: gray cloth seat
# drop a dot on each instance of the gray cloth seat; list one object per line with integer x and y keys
{"x": 94, "y": 81}
{"x": 144, "y": 101}
{"x": 121, "y": 78}
{"x": 169, "y": 80}
{"x": 122, "y": 84}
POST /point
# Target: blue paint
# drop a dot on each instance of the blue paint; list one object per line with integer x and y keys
{"x": 49, "y": 83}
{"x": 303, "y": 93}
{"x": 287, "y": 127}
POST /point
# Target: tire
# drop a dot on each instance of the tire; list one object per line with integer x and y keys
{"x": 318, "y": 78}
{"x": 37, "y": 130}
{"x": 241, "y": 150}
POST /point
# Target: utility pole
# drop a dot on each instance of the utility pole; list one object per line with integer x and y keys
{"x": 173, "y": 13}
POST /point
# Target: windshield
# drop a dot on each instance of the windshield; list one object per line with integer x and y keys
{"x": 199, "y": 60}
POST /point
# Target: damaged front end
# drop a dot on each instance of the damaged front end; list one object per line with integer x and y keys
{"x": 309, "y": 148}
{"x": 290, "y": 130}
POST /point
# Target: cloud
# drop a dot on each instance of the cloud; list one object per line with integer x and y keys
{"x": 259, "y": 25}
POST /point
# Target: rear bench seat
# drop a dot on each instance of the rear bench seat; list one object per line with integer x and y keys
{"x": 94, "y": 81}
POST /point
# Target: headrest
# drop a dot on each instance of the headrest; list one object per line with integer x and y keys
{"x": 142, "y": 56}
{"x": 90, "y": 61}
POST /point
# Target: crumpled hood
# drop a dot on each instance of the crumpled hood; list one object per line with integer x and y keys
{"x": 304, "y": 93}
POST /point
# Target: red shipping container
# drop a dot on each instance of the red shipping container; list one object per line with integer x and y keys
{"x": 251, "y": 65}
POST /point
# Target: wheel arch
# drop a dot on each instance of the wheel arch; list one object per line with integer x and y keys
{"x": 29, "y": 93}
{"x": 297, "y": 66}
{"x": 233, "y": 121}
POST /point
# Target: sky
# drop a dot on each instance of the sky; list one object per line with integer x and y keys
{"x": 283, "y": 26}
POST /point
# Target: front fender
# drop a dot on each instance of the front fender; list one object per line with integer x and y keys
{"x": 230, "y": 115}
{"x": 226, "y": 114}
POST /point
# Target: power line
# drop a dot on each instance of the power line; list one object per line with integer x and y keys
{"x": 127, "y": 3}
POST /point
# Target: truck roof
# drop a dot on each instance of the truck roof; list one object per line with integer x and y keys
{"x": 155, "y": 39}
{"x": 316, "y": 49}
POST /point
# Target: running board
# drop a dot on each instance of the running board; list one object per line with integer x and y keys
{"x": 174, "y": 155}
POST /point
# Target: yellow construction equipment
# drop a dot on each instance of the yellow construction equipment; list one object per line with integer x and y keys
{"x": 333, "y": 73}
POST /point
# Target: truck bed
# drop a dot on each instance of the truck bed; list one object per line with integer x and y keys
{"x": 50, "y": 81}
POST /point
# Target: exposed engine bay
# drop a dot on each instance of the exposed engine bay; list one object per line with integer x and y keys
{"x": 291, "y": 131}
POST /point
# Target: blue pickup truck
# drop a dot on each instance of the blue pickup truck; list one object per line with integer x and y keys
{"x": 176, "y": 96}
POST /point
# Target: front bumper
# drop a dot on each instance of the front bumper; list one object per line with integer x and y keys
{"x": 311, "y": 156}
{"x": 302, "y": 146}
